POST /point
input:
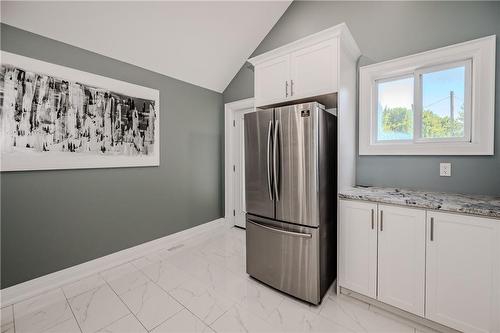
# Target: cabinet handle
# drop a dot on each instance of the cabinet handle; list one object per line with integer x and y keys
{"x": 373, "y": 219}
{"x": 286, "y": 88}
{"x": 432, "y": 229}
{"x": 381, "y": 220}
{"x": 291, "y": 87}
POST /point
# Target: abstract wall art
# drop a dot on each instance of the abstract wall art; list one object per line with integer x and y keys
{"x": 55, "y": 117}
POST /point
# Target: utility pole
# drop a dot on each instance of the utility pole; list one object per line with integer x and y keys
{"x": 452, "y": 105}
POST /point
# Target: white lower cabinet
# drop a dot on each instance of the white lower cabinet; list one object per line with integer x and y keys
{"x": 401, "y": 258}
{"x": 463, "y": 272}
{"x": 441, "y": 266}
{"x": 358, "y": 247}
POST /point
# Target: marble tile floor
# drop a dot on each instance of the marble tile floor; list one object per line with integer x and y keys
{"x": 199, "y": 285}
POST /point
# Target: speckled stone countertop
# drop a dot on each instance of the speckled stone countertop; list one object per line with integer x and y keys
{"x": 459, "y": 203}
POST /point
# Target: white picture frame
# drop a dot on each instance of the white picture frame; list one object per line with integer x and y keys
{"x": 41, "y": 160}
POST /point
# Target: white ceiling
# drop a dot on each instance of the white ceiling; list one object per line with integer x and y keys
{"x": 204, "y": 43}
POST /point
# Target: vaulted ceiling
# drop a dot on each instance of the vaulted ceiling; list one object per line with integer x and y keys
{"x": 204, "y": 43}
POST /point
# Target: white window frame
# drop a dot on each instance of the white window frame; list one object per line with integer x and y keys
{"x": 479, "y": 58}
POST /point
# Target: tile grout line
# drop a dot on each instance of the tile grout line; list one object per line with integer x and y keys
{"x": 69, "y": 303}
{"x": 125, "y": 304}
{"x": 175, "y": 299}
{"x": 181, "y": 310}
{"x": 194, "y": 314}
{"x": 195, "y": 279}
{"x": 164, "y": 321}
{"x": 82, "y": 292}
{"x": 72, "y": 312}
{"x": 170, "y": 317}
{"x": 267, "y": 319}
{"x": 153, "y": 282}
{"x": 238, "y": 303}
{"x": 219, "y": 317}
{"x": 113, "y": 322}
{"x": 234, "y": 301}
{"x": 72, "y": 282}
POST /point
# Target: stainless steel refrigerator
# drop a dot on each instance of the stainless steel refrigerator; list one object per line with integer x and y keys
{"x": 291, "y": 190}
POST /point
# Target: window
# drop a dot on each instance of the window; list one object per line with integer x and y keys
{"x": 432, "y": 104}
{"x": 423, "y": 104}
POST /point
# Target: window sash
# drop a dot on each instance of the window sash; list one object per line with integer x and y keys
{"x": 375, "y": 109}
{"x": 417, "y": 107}
{"x": 418, "y": 100}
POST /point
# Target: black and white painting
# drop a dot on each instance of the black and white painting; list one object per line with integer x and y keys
{"x": 54, "y": 117}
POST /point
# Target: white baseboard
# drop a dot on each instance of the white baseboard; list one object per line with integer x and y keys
{"x": 420, "y": 323}
{"x": 57, "y": 279}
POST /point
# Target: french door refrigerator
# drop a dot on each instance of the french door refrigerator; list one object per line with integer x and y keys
{"x": 291, "y": 190}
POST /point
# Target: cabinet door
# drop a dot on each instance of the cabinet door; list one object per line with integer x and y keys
{"x": 463, "y": 272}
{"x": 358, "y": 247}
{"x": 272, "y": 81}
{"x": 401, "y": 258}
{"x": 314, "y": 70}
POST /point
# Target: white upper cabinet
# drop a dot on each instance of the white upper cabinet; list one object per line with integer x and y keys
{"x": 305, "y": 68}
{"x": 463, "y": 272}
{"x": 314, "y": 70}
{"x": 272, "y": 80}
{"x": 358, "y": 247}
{"x": 401, "y": 258}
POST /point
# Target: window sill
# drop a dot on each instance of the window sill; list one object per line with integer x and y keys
{"x": 426, "y": 148}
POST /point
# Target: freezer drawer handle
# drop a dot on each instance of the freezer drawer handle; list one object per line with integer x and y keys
{"x": 291, "y": 233}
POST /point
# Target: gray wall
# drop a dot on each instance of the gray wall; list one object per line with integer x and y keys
{"x": 55, "y": 219}
{"x": 386, "y": 30}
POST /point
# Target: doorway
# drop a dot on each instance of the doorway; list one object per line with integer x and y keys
{"x": 235, "y": 161}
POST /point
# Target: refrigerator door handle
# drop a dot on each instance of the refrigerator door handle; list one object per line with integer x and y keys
{"x": 268, "y": 158}
{"x": 276, "y": 162}
{"x": 290, "y": 233}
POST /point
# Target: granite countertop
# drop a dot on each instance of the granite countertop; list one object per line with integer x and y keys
{"x": 481, "y": 205}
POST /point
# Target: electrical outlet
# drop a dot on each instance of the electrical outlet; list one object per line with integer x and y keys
{"x": 445, "y": 169}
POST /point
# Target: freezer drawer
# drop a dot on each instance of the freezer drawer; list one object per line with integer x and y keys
{"x": 284, "y": 256}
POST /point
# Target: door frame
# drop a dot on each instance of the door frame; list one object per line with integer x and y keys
{"x": 230, "y": 112}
